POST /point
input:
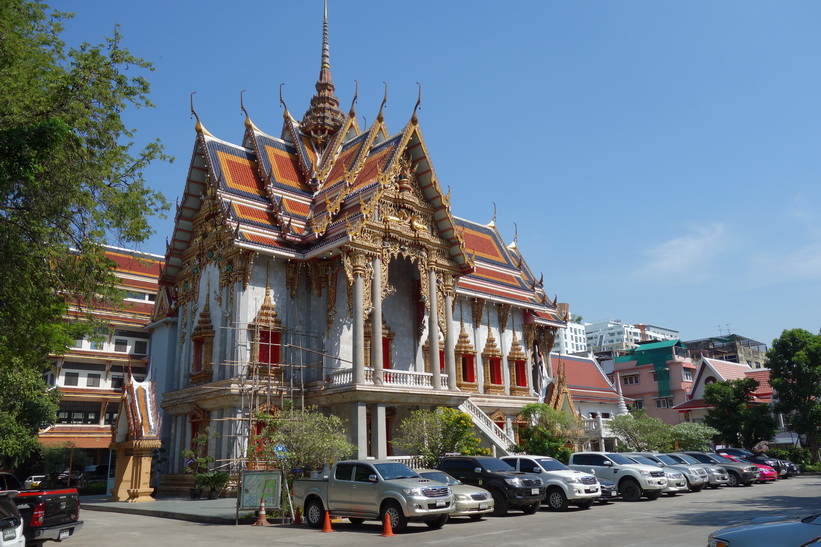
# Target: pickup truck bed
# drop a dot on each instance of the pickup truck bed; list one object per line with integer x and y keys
{"x": 47, "y": 514}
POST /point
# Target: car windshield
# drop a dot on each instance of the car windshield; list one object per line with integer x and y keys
{"x": 8, "y": 509}
{"x": 440, "y": 476}
{"x": 644, "y": 460}
{"x": 667, "y": 459}
{"x": 686, "y": 459}
{"x": 390, "y": 471}
{"x": 618, "y": 458}
{"x": 549, "y": 464}
{"x": 720, "y": 458}
{"x": 493, "y": 464}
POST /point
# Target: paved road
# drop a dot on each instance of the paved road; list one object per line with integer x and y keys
{"x": 684, "y": 520}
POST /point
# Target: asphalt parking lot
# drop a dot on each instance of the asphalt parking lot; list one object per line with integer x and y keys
{"x": 683, "y": 520}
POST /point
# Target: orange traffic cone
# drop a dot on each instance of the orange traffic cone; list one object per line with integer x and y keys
{"x": 387, "y": 527}
{"x": 297, "y": 517}
{"x": 261, "y": 520}
{"x": 327, "y": 526}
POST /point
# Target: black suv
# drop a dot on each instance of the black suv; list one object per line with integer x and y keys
{"x": 510, "y": 489}
{"x": 781, "y": 466}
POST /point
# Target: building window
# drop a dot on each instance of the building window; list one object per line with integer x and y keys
{"x": 93, "y": 380}
{"x": 116, "y": 382}
{"x": 605, "y": 415}
{"x": 638, "y": 405}
{"x": 468, "y": 368}
{"x": 687, "y": 375}
{"x": 665, "y": 402}
{"x": 63, "y": 417}
{"x": 196, "y": 360}
{"x": 71, "y": 379}
{"x": 140, "y": 347}
{"x": 521, "y": 373}
{"x": 269, "y": 347}
{"x": 496, "y": 370}
{"x": 120, "y": 345}
{"x": 630, "y": 380}
{"x": 110, "y": 417}
{"x": 655, "y": 376}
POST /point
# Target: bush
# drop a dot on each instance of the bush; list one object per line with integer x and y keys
{"x": 93, "y": 488}
{"x": 799, "y": 456}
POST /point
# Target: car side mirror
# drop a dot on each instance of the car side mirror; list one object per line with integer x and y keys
{"x": 537, "y": 469}
{"x": 608, "y": 463}
{"x": 477, "y": 470}
{"x": 372, "y": 478}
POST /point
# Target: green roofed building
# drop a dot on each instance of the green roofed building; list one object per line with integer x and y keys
{"x": 657, "y": 375}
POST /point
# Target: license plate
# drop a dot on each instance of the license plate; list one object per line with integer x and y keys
{"x": 534, "y": 491}
{"x": 613, "y": 493}
{"x": 63, "y": 535}
{"x": 590, "y": 490}
{"x": 482, "y": 506}
{"x": 440, "y": 503}
{"x": 9, "y": 534}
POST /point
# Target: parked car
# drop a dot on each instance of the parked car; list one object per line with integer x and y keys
{"x": 608, "y": 491}
{"x": 634, "y": 480}
{"x": 510, "y": 489}
{"x": 738, "y": 473}
{"x": 33, "y": 482}
{"x": 769, "y": 531}
{"x": 695, "y": 475}
{"x": 675, "y": 479}
{"x": 468, "y": 500}
{"x": 716, "y": 475}
{"x": 563, "y": 486}
{"x": 376, "y": 490}
{"x": 11, "y": 522}
{"x": 746, "y": 455}
{"x": 52, "y": 514}
{"x": 765, "y": 472}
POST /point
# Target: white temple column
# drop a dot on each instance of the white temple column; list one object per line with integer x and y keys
{"x": 376, "y": 323}
{"x": 379, "y": 431}
{"x": 358, "y": 321}
{"x": 433, "y": 332}
{"x": 450, "y": 343}
{"x": 359, "y": 429}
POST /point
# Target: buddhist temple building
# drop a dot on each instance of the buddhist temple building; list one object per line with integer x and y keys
{"x": 324, "y": 265}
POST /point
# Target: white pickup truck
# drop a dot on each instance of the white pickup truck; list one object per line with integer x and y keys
{"x": 374, "y": 490}
{"x": 634, "y": 480}
{"x": 564, "y": 486}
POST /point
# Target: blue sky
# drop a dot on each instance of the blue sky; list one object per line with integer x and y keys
{"x": 661, "y": 159}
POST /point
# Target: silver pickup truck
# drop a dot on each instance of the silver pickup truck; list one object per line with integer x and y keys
{"x": 374, "y": 490}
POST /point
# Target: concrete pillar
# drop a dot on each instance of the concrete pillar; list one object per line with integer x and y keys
{"x": 450, "y": 342}
{"x": 379, "y": 431}
{"x": 433, "y": 332}
{"x": 358, "y": 327}
{"x": 359, "y": 429}
{"x": 376, "y": 323}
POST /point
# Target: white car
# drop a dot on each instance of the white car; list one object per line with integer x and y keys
{"x": 11, "y": 523}
{"x": 33, "y": 482}
{"x": 565, "y": 486}
{"x": 769, "y": 531}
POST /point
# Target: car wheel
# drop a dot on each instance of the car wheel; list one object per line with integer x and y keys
{"x": 629, "y": 490}
{"x": 475, "y": 518}
{"x": 392, "y": 510}
{"x": 438, "y": 522}
{"x": 314, "y": 513}
{"x": 556, "y": 500}
{"x": 734, "y": 480}
{"x": 356, "y": 522}
{"x": 695, "y": 488}
{"x": 671, "y": 494}
{"x": 532, "y": 508}
{"x": 655, "y": 494}
{"x": 585, "y": 504}
{"x": 500, "y": 504}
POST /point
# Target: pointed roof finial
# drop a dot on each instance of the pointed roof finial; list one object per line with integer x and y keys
{"x": 199, "y": 127}
{"x": 493, "y": 220}
{"x": 323, "y": 118}
{"x": 379, "y": 117}
{"x": 352, "y": 113}
{"x": 282, "y": 101}
{"x": 414, "y": 119}
{"x": 248, "y": 123}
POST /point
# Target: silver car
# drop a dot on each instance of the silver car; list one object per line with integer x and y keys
{"x": 716, "y": 476}
{"x": 469, "y": 501}
{"x": 675, "y": 480}
{"x": 695, "y": 475}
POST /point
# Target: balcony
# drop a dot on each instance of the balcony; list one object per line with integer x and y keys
{"x": 597, "y": 428}
{"x": 391, "y": 377}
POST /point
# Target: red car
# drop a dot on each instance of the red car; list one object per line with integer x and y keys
{"x": 766, "y": 473}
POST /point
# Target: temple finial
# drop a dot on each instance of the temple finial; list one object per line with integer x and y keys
{"x": 414, "y": 119}
{"x": 352, "y": 113}
{"x": 379, "y": 117}
{"x": 199, "y": 127}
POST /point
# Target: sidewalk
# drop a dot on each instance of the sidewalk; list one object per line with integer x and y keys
{"x": 218, "y": 511}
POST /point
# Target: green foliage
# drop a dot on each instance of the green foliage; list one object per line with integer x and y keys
{"x": 795, "y": 362}
{"x": 24, "y": 405}
{"x": 433, "y": 433}
{"x": 538, "y": 440}
{"x": 57, "y": 458}
{"x": 311, "y": 439}
{"x": 734, "y": 415}
{"x": 212, "y": 480}
{"x": 692, "y": 436}
{"x": 548, "y": 432}
{"x": 800, "y": 456}
{"x": 70, "y": 182}
{"x": 196, "y": 457}
{"x": 640, "y": 432}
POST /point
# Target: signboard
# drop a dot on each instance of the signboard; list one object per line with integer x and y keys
{"x": 281, "y": 451}
{"x": 258, "y": 485}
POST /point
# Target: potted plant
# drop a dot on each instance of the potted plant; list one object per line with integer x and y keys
{"x": 215, "y": 481}
{"x": 196, "y": 460}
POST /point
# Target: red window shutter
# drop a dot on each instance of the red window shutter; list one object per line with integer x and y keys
{"x": 495, "y": 371}
{"x": 386, "y": 353}
{"x": 468, "y": 368}
{"x": 196, "y": 361}
{"x": 521, "y": 374}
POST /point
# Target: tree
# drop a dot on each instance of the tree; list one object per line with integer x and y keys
{"x": 433, "y": 433}
{"x": 692, "y": 436}
{"x": 548, "y": 431}
{"x": 795, "y": 363}
{"x": 735, "y": 416}
{"x": 641, "y": 432}
{"x": 310, "y": 438}
{"x": 70, "y": 182}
